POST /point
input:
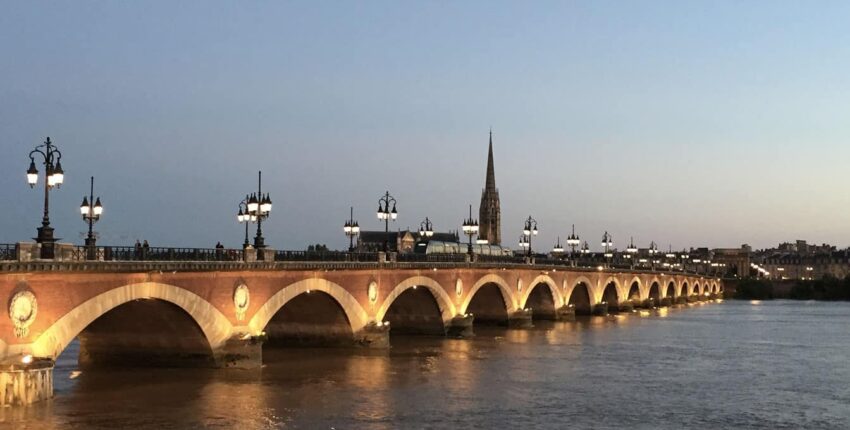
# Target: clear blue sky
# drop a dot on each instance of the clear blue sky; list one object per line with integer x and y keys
{"x": 688, "y": 123}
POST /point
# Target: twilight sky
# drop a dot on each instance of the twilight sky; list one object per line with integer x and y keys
{"x": 688, "y": 123}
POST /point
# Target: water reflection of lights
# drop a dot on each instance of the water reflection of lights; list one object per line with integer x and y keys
{"x": 755, "y": 302}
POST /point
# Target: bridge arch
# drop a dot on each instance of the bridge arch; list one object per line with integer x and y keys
{"x": 542, "y": 304}
{"x": 641, "y": 286}
{"x": 655, "y": 292}
{"x": 671, "y": 290}
{"x": 504, "y": 288}
{"x": 357, "y": 317}
{"x": 683, "y": 292}
{"x": 635, "y": 291}
{"x": 215, "y": 326}
{"x": 695, "y": 291}
{"x": 581, "y": 296}
{"x": 444, "y": 302}
{"x": 617, "y": 288}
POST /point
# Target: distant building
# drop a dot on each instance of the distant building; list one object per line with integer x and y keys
{"x": 396, "y": 241}
{"x": 799, "y": 260}
{"x": 403, "y": 241}
{"x": 489, "y": 211}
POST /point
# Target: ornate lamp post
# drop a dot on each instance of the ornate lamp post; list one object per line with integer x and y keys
{"x": 653, "y": 251}
{"x": 470, "y": 228}
{"x": 91, "y": 210}
{"x": 573, "y": 241}
{"x": 426, "y": 229}
{"x": 558, "y": 250}
{"x": 530, "y": 229}
{"x": 631, "y": 251}
{"x": 53, "y": 177}
{"x": 523, "y": 243}
{"x": 607, "y": 243}
{"x": 386, "y": 214}
{"x": 351, "y": 229}
{"x": 585, "y": 249}
{"x": 245, "y": 217}
{"x": 259, "y": 207}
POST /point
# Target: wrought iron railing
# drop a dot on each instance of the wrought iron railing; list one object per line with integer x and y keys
{"x": 8, "y": 251}
{"x": 325, "y": 256}
{"x": 508, "y": 259}
{"x": 437, "y": 258}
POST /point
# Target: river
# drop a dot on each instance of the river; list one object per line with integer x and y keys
{"x": 736, "y": 364}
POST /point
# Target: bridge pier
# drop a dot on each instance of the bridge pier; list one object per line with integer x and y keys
{"x": 566, "y": 313}
{"x": 242, "y": 351}
{"x": 25, "y": 380}
{"x": 600, "y": 309}
{"x": 520, "y": 319}
{"x": 461, "y": 326}
{"x": 374, "y": 335}
{"x": 626, "y": 306}
{"x": 667, "y": 301}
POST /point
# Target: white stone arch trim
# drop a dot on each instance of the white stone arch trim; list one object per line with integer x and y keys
{"x": 571, "y": 286}
{"x": 557, "y": 297}
{"x": 357, "y": 317}
{"x": 444, "y": 301}
{"x": 507, "y": 292}
{"x": 215, "y": 326}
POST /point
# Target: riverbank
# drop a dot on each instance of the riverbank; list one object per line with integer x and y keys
{"x": 827, "y": 289}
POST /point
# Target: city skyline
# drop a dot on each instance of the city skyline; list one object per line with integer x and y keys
{"x": 678, "y": 136}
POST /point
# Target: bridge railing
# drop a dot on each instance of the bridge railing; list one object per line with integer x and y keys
{"x": 8, "y": 251}
{"x": 132, "y": 253}
{"x": 438, "y": 258}
{"x": 325, "y": 256}
{"x": 507, "y": 259}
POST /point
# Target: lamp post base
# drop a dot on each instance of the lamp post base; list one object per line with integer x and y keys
{"x": 46, "y": 240}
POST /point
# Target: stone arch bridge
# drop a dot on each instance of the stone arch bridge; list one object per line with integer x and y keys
{"x": 220, "y": 313}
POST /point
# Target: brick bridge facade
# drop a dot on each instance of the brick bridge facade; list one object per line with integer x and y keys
{"x": 219, "y": 313}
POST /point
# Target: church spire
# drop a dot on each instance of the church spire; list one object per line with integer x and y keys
{"x": 490, "y": 183}
{"x": 490, "y": 213}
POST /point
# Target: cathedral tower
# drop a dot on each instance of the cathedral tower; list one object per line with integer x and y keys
{"x": 490, "y": 212}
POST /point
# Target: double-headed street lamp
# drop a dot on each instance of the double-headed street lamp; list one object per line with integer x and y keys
{"x": 53, "y": 177}
{"x": 631, "y": 251}
{"x": 245, "y": 217}
{"x": 91, "y": 209}
{"x": 557, "y": 250}
{"x": 573, "y": 241}
{"x": 528, "y": 230}
{"x": 351, "y": 229}
{"x": 470, "y": 228}
{"x": 653, "y": 251}
{"x": 607, "y": 243}
{"x": 585, "y": 249}
{"x": 426, "y": 229}
{"x": 384, "y": 213}
{"x": 258, "y": 208}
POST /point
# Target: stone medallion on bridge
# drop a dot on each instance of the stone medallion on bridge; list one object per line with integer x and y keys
{"x": 22, "y": 310}
{"x": 373, "y": 292}
{"x": 241, "y": 300}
